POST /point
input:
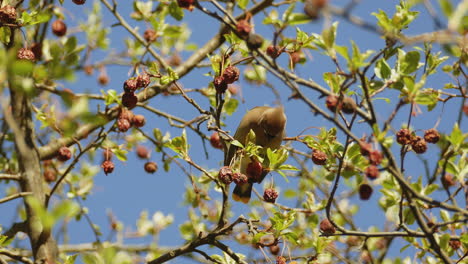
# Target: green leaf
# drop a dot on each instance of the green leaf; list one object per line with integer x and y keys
{"x": 382, "y": 69}
{"x": 329, "y": 36}
{"x": 298, "y": 19}
{"x": 242, "y": 4}
{"x": 237, "y": 144}
{"x": 175, "y": 11}
{"x": 447, "y": 7}
{"x": 231, "y": 106}
{"x": 409, "y": 62}
{"x": 179, "y": 145}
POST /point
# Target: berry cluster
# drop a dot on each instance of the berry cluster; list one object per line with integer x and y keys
{"x": 347, "y": 105}
{"x": 229, "y": 76}
{"x": 8, "y": 15}
{"x": 127, "y": 119}
{"x": 372, "y": 172}
{"x": 130, "y": 86}
{"x": 25, "y": 54}
{"x": 418, "y": 144}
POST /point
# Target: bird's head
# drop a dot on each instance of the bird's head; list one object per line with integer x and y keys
{"x": 273, "y": 122}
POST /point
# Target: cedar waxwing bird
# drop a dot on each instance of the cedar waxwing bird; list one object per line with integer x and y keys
{"x": 269, "y": 124}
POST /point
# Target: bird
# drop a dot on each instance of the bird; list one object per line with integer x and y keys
{"x": 269, "y": 125}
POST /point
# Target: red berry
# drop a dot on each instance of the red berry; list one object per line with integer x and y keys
{"x": 139, "y": 120}
{"x": 143, "y": 80}
{"x": 8, "y": 14}
{"x": 403, "y": 136}
{"x": 419, "y": 145}
{"x": 187, "y": 4}
{"x": 455, "y": 244}
{"x": 220, "y": 84}
{"x": 50, "y": 175}
{"x": 88, "y": 69}
{"x": 254, "y": 41}
{"x": 254, "y": 171}
{"x": 243, "y": 27}
{"x": 107, "y": 166}
{"x": 64, "y": 154}
{"x": 231, "y": 74}
{"x": 365, "y": 191}
{"x": 327, "y": 227}
{"x": 375, "y": 157}
{"x": 130, "y": 85}
{"x": 280, "y": 260}
{"x": 448, "y": 181}
{"x": 150, "y": 35}
{"x": 372, "y": 172}
{"x": 225, "y": 175}
{"x": 431, "y": 135}
{"x": 273, "y": 51}
{"x": 103, "y": 79}
{"x": 215, "y": 141}
{"x": 332, "y": 102}
{"x": 59, "y": 28}
{"x": 274, "y": 249}
{"x": 270, "y": 195}
{"x": 365, "y": 147}
{"x": 123, "y": 124}
{"x": 239, "y": 178}
{"x": 348, "y": 106}
{"x": 25, "y": 54}
{"x": 129, "y": 100}
{"x": 151, "y": 167}
{"x": 142, "y": 152}
{"x": 126, "y": 114}
{"x": 79, "y": 2}
{"x": 319, "y": 157}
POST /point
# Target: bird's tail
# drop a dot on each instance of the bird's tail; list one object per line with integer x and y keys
{"x": 242, "y": 193}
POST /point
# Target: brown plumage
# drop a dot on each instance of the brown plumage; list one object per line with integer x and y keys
{"x": 269, "y": 124}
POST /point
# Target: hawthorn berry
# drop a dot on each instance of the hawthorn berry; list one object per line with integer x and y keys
{"x": 273, "y": 51}
{"x": 220, "y": 84}
{"x": 243, "y": 27}
{"x": 455, "y": 244}
{"x": 319, "y": 157}
{"x": 215, "y": 141}
{"x": 129, "y": 100}
{"x": 151, "y": 167}
{"x": 327, "y": 227}
{"x": 123, "y": 124}
{"x": 431, "y": 136}
{"x": 254, "y": 171}
{"x": 225, "y": 175}
{"x": 274, "y": 249}
{"x": 231, "y": 74}
{"x": 419, "y": 145}
{"x": 254, "y": 41}
{"x": 139, "y": 120}
{"x": 50, "y": 175}
{"x": 365, "y": 147}
{"x": 239, "y": 178}
{"x": 280, "y": 260}
{"x": 64, "y": 154}
{"x": 8, "y": 14}
{"x": 59, "y": 28}
{"x": 448, "y": 181}
{"x": 108, "y": 166}
{"x": 375, "y": 157}
{"x": 142, "y": 152}
{"x": 25, "y": 54}
{"x": 332, "y": 102}
{"x": 143, "y": 80}
{"x": 372, "y": 172}
{"x": 130, "y": 85}
{"x": 150, "y": 35}
{"x": 403, "y": 136}
{"x": 348, "y": 106}
{"x": 365, "y": 191}
{"x": 270, "y": 195}
{"x": 103, "y": 79}
{"x": 187, "y": 4}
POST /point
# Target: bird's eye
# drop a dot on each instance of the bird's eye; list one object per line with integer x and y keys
{"x": 269, "y": 136}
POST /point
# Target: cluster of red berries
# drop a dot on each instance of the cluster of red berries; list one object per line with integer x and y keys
{"x": 327, "y": 227}
{"x": 418, "y": 144}
{"x": 229, "y": 76}
{"x": 226, "y": 175}
{"x": 8, "y": 15}
{"x": 244, "y": 30}
{"x": 372, "y": 172}
{"x": 127, "y": 119}
{"x": 186, "y": 4}
{"x": 312, "y": 8}
{"x": 130, "y": 86}
{"x": 347, "y": 105}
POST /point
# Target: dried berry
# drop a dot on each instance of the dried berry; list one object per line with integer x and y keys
{"x": 25, "y": 54}
{"x": 372, "y": 172}
{"x": 151, "y": 167}
{"x": 431, "y": 135}
{"x": 280, "y": 260}
{"x": 231, "y": 74}
{"x": 403, "y": 136}
{"x": 274, "y": 51}
{"x": 274, "y": 249}
{"x": 254, "y": 171}
{"x": 36, "y": 48}
{"x": 455, "y": 244}
{"x": 79, "y": 2}
{"x": 64, "y": 154}
{"x": 327, "y": 227}
{"x": 123, "y": 124}
{"x": 108, "y": 166}
{"x": 7, "y": 14}
{"x": 225, "y": 175}
{"x": 332, "y": 102}
{"x": 50, "y": 175}
{"x": 59, "y": 28}
{"x": 175, "y": 60}
{"x": 319, "y": 157}
{"x": 139, "y": 120}
{"x": 365, "y": 147}
{"x": 103, "y": 79}
{"x": 143, "y": 80}
{"x": 88, "y": 69}
{"x": 130, "y": 85}
{"x": 187, "y": 4}
{"x": 239, "y": 178}
{"x": 448, "y": 181}
{"x": 150, "y": 35}
{"x": 142, "y": 152}
{"x": 254, "y": 41}
{"x": 365, "y": 191}
{"x": 348, "y": 105}
{"x": 270, "y": 195}
{"x": 215, "y": 141}
{"x": 220, "y": 84}
{"x": 419, "y": 145}
{"x": 126, "y": 114}
{"x": 243, "y": 27}
{"x": 375, "y": 157}
{"x": 129, "y": 100}
{"x": 296, "y": 57}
